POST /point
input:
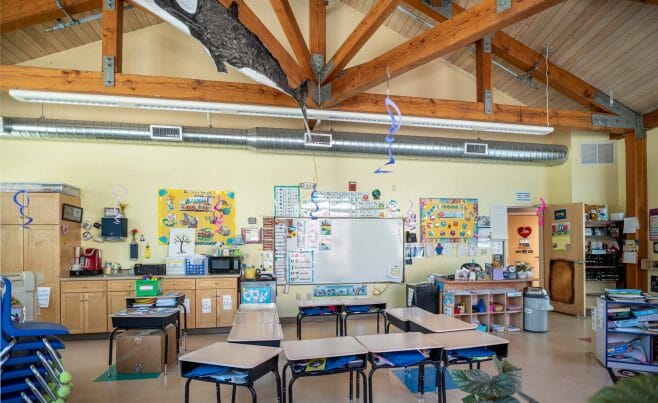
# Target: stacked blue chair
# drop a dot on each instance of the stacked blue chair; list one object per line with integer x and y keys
{"x": 30, "y": 366}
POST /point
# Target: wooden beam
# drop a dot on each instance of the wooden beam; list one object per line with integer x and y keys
{"x": 296, "y": 75}
{"x": 43, "y": 79}
{"x": 524, "y": 58}
{"x": 19, "y": 14}
{"x": 112, "y": 25}
{"x": 465, "y": 28}
{"x": 651, "y": 120}
{"x": 636, "y": 204}
{"x": 318, "y": 28}
{"x": 291, "y": 29}
{"x": 483, "y": 69}
{"x": 379, "y": 12}
{"x": 652, "y": 2}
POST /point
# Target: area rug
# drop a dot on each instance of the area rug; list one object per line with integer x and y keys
{"x": 114, "y": 376}
{"x": 617, "y": 374}
{"x": 409, "y": 378}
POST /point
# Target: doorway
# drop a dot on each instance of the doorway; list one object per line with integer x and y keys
{"x": 524, "y": 239}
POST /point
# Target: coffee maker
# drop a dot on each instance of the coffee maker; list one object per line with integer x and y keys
{"x": 90, "y": 263}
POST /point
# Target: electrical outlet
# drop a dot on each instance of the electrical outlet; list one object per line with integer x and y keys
{"x": 306, "y": 185}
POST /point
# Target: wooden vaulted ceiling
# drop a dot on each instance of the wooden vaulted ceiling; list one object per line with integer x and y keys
{"x": 611, "y": 44}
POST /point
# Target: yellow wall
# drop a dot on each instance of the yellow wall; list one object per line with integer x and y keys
{"x": 161, "y": 50}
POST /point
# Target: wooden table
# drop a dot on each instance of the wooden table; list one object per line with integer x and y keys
{"x": 333, "y": 305}
{"x": 263, "y": 334}
{"x": 180, "y": 302}
{"x": 301, "y": 351}
{"x": 256, "y": 360}
{"x": 256, "y": 317}
{"x": 463, "y": 340}
{"x": 437, "y": 323}
{"x": 400, "y": 317}
{"x": 150, "y": 318}
{"x": 399, "y": 342}
{"x": 376, "y": 306}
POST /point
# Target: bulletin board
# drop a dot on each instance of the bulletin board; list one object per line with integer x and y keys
{"x": 211, "y": 213}
{"x": 448, "y": 219}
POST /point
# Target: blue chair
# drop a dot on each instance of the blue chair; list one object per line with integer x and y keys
{"x": 25, "y": 329}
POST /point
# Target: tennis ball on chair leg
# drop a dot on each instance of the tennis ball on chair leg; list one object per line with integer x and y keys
{"x": 65, "y": 377}
{"x": 63, "y": 391}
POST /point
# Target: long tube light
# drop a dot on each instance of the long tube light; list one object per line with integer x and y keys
{"x": 70, "y": 98}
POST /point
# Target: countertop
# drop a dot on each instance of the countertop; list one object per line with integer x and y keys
{"x": 133, "y": 277}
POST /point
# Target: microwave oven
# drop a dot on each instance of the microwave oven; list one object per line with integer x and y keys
{"x": 224, "y": 264}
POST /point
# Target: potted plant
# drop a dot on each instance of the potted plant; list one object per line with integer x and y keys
{"x": 523, "y": 270}
{"x": 482, "y": 387}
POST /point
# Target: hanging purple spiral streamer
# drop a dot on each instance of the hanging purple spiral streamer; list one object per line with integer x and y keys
{"x": 27, "y": 220}
{"x": 314, "y": 199}
{"x": 396, "y": 121}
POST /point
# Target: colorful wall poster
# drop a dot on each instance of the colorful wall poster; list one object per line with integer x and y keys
{"x": 301, "y": 265}
{"x": 561, "y": 236}
{"x": 447, "y": 218}
{"x": 210, "y": 213}
{"x": 286, "y": 201}
{"x": 348, "y": 204}
{"x": 351, "y": 290}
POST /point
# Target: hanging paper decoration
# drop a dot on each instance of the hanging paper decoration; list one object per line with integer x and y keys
{"x": 227, "y": 40}
{"x": 25, "y": 219}
{"x": 316, "y": 206}
{"x": 540, "y": 211}
{"x": 120, "y": 193}
{"x": 411, "y": 217}
{"x": 396, "y": 122}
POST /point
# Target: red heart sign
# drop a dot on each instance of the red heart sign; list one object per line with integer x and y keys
{"x": 524, "y": 231}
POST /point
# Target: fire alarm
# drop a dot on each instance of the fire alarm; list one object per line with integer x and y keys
{"x": 352, "y": 186}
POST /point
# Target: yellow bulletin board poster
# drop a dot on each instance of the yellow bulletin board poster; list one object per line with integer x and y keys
{"x": 446, "y": 218}
{"x": 561, "y": 235}
{"x": 211, "y": 213}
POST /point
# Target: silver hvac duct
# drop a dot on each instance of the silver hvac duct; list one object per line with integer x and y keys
{"x": 292, "y": 141}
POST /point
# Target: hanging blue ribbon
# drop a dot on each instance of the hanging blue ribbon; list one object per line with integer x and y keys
{"x": 396, "y": 122}
{"x": 316, "y": 207}
{"x": 21, "y": 208}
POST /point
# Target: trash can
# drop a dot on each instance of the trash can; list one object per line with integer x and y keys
{"x": 536, "y": 305}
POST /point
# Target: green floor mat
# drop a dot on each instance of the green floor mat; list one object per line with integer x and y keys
{"x": 111, "y": 375}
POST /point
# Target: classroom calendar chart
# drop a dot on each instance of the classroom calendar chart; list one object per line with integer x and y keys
{"x": 286, "y": 201}
{"x": 211, "y": 213}
{"x": 301, "y": 265}
{"x": 348, "y": 204}
{"x": 448, "y": 218}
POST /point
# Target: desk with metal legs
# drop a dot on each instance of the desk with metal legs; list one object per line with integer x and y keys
{"x": 351, "y": 306}
{"x": 256, "y": 317}
{"x": 255, "y": 360}
{"x": 299, "y": 353}
{"x": 400, "y": 317}
{"x": 180, "y": 303}
{"x": 403, "y": 342}
{"x": 329, "y": 306}
{"x": 264, "y": 334}
{"x": 270, "y": 307}
{"x": 426, "y": 322}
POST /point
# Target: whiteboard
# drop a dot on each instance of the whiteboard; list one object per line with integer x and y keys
{"x": 361, "y": 250}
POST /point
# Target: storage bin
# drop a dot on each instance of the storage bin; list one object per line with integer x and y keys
{"x": 149, "y": 288}
{"x": 195, "y": 267}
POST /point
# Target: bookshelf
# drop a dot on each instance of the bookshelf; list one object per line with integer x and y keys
{"x": 620, "y": 344}
{"x": 603, "y": 267}
{"x": 502, "y": 308}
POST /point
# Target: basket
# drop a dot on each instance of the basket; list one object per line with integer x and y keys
{"x": 195, "y": 267}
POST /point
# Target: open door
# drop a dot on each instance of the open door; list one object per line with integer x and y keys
{"x": 564, "y": 257}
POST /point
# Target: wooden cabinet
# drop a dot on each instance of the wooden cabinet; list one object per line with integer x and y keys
{"x": 227, "y": 306}
{"x": 186, "y": 286}
{"x": 116, "y": 301}
{"x": 206, "y": 308}
{"x": 85, "y": 306}
{"x": 46, "y": 247}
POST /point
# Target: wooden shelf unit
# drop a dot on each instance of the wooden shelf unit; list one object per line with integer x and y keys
{"x": 505, "y": 318}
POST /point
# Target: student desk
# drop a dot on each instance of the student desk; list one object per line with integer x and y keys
{"x": 150, "y": 318}
{"x": 400, "y": 317}
{"x": 376, "y": 306}
{"x": 463, "y": 340}
{"x": 400, "y": 342}
{"x": 270, "y": 307}
{"x": 255, "y": 317}
{"x": 180, "y": 302}
{"x": 300, "y": 351}
{"x": 331, "y": 304}
{"x": 261, "y": 334}
{"x": 426, "y": 322}
{"x": 256, "y": 360}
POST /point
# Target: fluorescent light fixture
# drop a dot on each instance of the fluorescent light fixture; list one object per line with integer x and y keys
{"x": 70, "y": 98}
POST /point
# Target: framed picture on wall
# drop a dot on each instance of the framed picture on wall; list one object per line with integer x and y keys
{"x": 71, "y": 213}
{"x": 252, "y": 235}
{"x": 484, "y": 221}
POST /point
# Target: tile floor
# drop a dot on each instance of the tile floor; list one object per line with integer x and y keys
{"x": 557, "y": 367}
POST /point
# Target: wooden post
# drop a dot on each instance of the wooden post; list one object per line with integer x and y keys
{"x": 113, "y": 33}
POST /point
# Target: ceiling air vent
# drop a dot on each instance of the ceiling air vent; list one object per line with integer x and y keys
{"x": 166, "y": 133}
{"x": 475, "y": 148}
{"x": 317, "y": 139}
{"x": 597, "y": 153}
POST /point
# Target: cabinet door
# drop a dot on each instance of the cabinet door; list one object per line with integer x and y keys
{"x": 11, "y": 247}
{"x": 95, "y": 312}
{"x": 44, "y": 208}
{"x": 116, "y": 301}
{"x": 206, "y": 308}
{"x": 41, "y": 255}
{"x": 73, "y": 312}
{"x": 9, "y": 209}
{"x": 227, "y": 306}
{"x": 190, "y": 295}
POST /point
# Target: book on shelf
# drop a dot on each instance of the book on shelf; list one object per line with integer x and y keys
{"x": 645, "y": 312}
{"x": 623, "y": 323}
{"x": 619, "y": 309}
{"x": 623, "y": 291}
